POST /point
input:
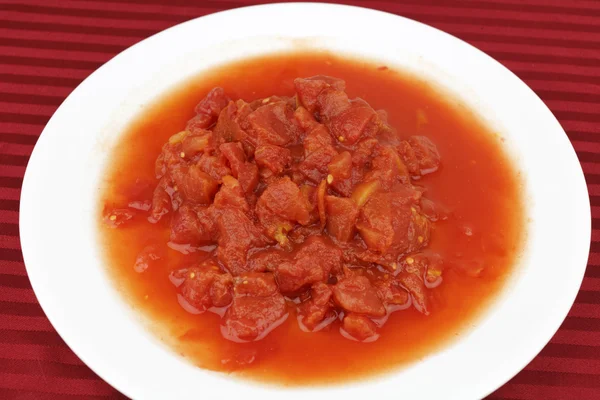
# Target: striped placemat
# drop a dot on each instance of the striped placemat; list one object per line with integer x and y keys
{"x": 48, "y": 47}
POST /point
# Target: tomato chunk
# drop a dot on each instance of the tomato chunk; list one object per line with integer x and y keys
{"x": 274, "y": 123}
{"x": 313, "y": 263}
{"x": 205, "y": 286}
{"x": 356, "y": 294}
{"x": 342, "y": 214}
{"x": 257, "y": 308}
{"x": 280, "y": 206}
{"x": 316, "y": 313}
{"x": 192, "y": 225}
{"x": 359, "y": 327}
{"x": 309, "y": 89}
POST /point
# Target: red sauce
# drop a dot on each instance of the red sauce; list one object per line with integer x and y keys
{"x": 476, "y": 186}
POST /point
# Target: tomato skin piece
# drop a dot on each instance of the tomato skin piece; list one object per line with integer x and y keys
{"x": 342, "y": 214}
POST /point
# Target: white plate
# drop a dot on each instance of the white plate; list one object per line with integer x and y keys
{"x": 60, "y": 194}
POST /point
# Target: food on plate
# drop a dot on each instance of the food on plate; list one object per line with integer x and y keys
{"x": 299, "y": 209}
{"x": 312, "y": 196}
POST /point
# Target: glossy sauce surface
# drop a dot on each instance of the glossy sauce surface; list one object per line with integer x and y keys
{"x": 476, "y": 184}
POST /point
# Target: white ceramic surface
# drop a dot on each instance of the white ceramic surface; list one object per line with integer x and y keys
{"x": 60, "y": 193}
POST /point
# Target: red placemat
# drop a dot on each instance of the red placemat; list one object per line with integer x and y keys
{"x": 48, "y": 47}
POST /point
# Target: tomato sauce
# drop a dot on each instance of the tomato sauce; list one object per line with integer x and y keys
{"x": 476, "y": 186}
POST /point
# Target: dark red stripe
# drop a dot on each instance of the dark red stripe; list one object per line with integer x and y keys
{"x": 577, "y": 115}
{"x": 9, "y": 205}
{"x": 43, "y": 338}
{"x": 569, "y": 96}
{"x": 8, "y": 229}
{"x": 588, "y": 297}
{"x": 13, "y": 159}
{"x": 581, "y": 324}
{"x": 503, "y": 22}
{"x": 96, "y": 13}
{"x": 592, "y": 271}
{"x": 10, "y": 254}
{"x": 556, "y": 76}
{"x": 520, "y": 7}
{"x": 584, "y": 137}
{"x": 53, "y": 369}
{"x": 571, "y": 351}
{"x": 34, "y": 395}
{"x": 20, "y": 309}
{"x": 45, "y": 62}
{"x": 18, "y": 138}
{"x": 523, "y": 391}
{"x": 70, "y": 46}
{"x": 555, "y": 364}
{"x": 24, "y": 118}
{"x": 15, "y": 281}
{"x": 69, "y": 28}
{"x": 16, "y": 294}
{"x": 11, "y": 182}
{"x": 589, "y": 178}
{"x": 557, "y": 379}
{"x": 592, "y": 146}
{"x": 31, "y": 99}
{"x": 58, "y": 385}
{"x": 54, "y": 81}
{"x": 528, "y": 40}
{"x": 543, "y": 58}
{"x": 26, "y": 351}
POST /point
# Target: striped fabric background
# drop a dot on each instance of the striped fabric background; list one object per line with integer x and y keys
{"x": 48, "y": 47}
